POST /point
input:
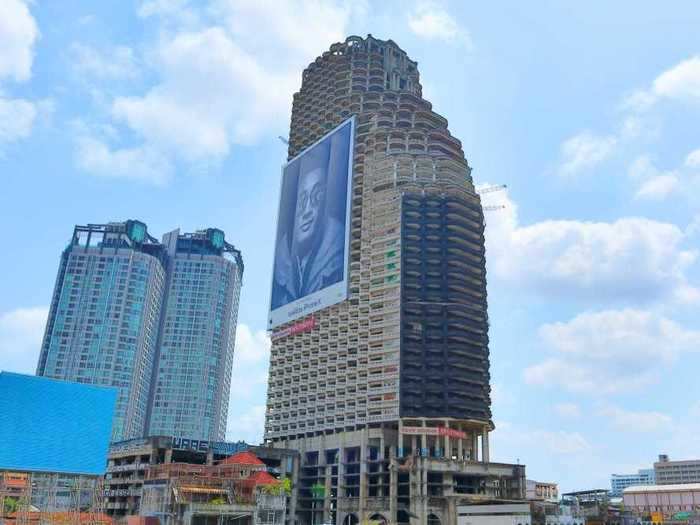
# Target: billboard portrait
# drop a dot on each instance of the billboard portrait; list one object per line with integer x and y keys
{"x": 310, "y": 269}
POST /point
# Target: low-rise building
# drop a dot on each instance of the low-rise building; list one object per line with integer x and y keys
{"x": 669, "y": 472}
{"x": 542, "y": 491}
{"x": 619, "y": 482}
{"x": 237, "y": 488}
{"x": 134, "y": 461}
{"x": 664, "y": 501}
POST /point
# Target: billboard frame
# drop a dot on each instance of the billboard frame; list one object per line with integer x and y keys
{"x": 334, "y": 293}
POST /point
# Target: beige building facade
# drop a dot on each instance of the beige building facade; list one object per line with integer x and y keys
{"x": 386, "y": 395}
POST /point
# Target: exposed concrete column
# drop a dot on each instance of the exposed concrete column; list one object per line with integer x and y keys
{"x": 475, "y": 446}
{"x": 423, "y": 438}
{"x": 460, "y": 452}
{"x": 414, "y": 445}
{"x": 448, "y": 447}
{"x": 485, "y": 445}
{"x": 393, "y": 490}
{"x": 169, "y": 455}
{"x": 363, "y": 476}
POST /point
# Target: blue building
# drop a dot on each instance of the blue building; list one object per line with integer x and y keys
{"x": 156, "y": 320}
{"x": 54, "y": 426}
{"x": 55, "y": 438}
{"x": 619, "y": 482}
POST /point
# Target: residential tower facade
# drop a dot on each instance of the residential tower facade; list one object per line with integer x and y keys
{"x": 128, "y": 312}
{"x": 386, "y": 394}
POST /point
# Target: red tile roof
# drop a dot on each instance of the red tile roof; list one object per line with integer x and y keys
{"x": 242, "y": 458}
{"x": 263, "y": 478}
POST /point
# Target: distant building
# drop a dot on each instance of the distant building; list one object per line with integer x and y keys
{"x": 154, "y": 320}
{"x": 54, "y": 436}
{"x": 666, "y": 501}
{"x": 541, "y": 491}
{"x": 619, "y": 482}
{"x": 676, "y": 472}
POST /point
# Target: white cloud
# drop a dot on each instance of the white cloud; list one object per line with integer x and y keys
{"x": 227, "y": 72}
{"x": 18, "y": 34}
{"x": 610, "y": 351}
{"x": 693, "y": 159}
{"x": 248, "y": 426}
{"x": 296, "y": 31}
{"x": 631, "y": 421}
{"x": 252, "y": 346}
{"x": 139, "y": 163}
{"x": 658, "y": 187}
{"x": 16, "y": 119}
{"x": 21, "y": 333}
{"x": 431, "y": 21}
{"x": 567, "y": 410}
{"x": 113, "y": 64}
{"x": 584, "y": 151}
{"x": 631, "y": 260}
{"x": 681, "y": 83}
{"x": 655, "y": 184}
{"x": 555, "y": 442}
{"x": 212, "y": 94}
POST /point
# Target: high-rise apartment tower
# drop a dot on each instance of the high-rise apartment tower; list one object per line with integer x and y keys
{"x": 386, "y": 394}
{"x": 155, "y": 320}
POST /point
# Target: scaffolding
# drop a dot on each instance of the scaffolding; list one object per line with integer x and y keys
{"x": 51, "y": 499}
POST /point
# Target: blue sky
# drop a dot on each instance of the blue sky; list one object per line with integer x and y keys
{"x": 169, "y": 111}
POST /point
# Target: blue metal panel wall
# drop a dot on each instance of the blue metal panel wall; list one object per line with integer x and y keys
{"x": 48, "y": 425}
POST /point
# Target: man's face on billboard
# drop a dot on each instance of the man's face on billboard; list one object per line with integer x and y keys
{"x": 311, "y": 195}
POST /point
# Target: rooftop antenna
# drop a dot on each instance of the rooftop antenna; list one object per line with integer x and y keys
{"x": 283, "y": 139}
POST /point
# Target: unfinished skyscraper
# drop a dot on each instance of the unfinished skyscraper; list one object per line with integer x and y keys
{"x": 386, "y": 393}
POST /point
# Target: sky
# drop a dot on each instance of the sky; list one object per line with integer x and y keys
{"x": 169, "y": 111}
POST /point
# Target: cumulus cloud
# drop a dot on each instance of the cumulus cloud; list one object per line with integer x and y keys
{"x": 247, "y": 426}
{"x": 21, "y": 332}
{"x": 610, "y": 351}
{"x": 632, "y": 421}
{"x": 560, "y": 443}
{"x": 224, "y": 72}
{"x": 252, "y": 346}
{"x": 17, "y": 117}
{"x": 431, "y": 21}
{"x": 680, "y": 83}
{"x": 693, "y": 159}
{"x": 655, "y": 184}
{"x": 140, "y": 163}
{"x": 116, "y": 63}
{"x": 212, "y": 94}
{"x": 631, "y": 260}
{"x": 584, "y": 151}
{"x": 18, "y": 34}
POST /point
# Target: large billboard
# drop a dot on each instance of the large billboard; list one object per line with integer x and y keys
{"x": 313, "y": 228}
